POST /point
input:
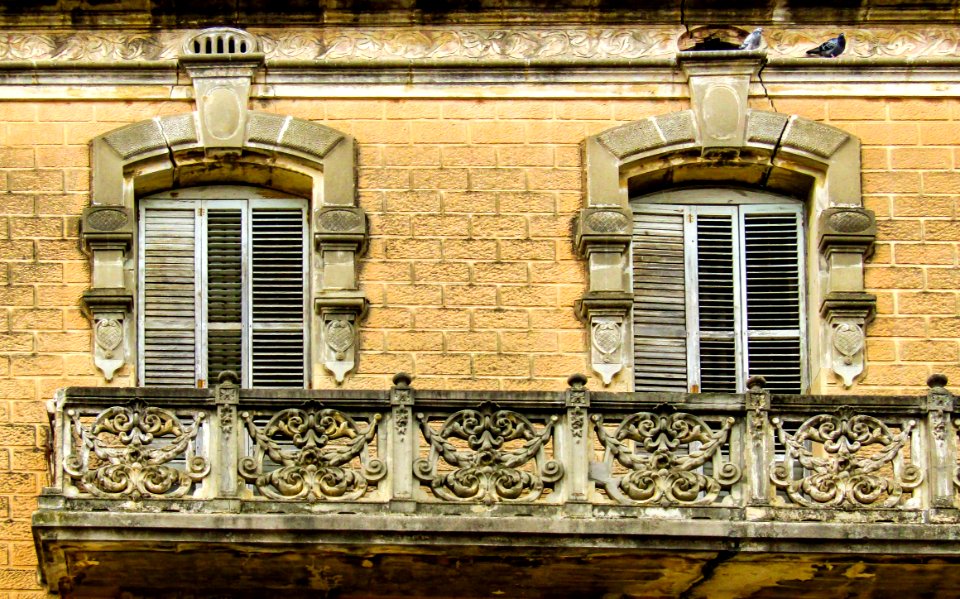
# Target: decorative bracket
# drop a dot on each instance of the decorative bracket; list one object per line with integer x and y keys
{"x": 606, "y": 313}
{"x": 340, "y": 316}
{"x": 107, "y": 233}
{"x": 603, "y": 238}
{"x": 846, "y": 241}
{"x": 340, "y": 238}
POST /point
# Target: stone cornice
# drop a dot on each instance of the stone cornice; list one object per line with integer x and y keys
{"x": 478, "y": 44}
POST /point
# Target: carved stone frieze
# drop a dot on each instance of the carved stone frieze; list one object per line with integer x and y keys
{"x": 473, "y": 43}
{"x": 488, "y": 455}
{"x": 665, "y": 456}
{"x": 851, "y": 461}
{"x": 310, "y": 454}
{"x": 135, "y": 452}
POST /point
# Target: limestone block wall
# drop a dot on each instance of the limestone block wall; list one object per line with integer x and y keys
{"x": 471, "y": 272}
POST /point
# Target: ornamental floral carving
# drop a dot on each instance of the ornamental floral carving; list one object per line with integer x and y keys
{"x": 473, "y": 43}
{"x": 846, "y": 461}
{"x": 135, "y": 452}
{"x": 311, "y": 454}
{"x": 671, "y": 459}
{"x": 488, "y": 455}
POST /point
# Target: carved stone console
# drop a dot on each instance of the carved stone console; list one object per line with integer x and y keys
{"x": 603, "y": 239}
{"x": 846, "y": 241}
{"x": 107, "y": 233}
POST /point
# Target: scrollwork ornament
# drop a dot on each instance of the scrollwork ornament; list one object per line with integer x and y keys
{"x": 665, "y": 455}
{"x": 307, "y": 454}
{"x": 489, "y": 455}
{"x": 848, "y": 461}
{"x": 127, "y": 453}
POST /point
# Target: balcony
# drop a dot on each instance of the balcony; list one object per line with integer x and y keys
{"x": 409, "y": 492}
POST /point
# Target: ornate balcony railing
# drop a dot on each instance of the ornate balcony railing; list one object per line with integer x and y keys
{"x": 709, "y": 455}
{"x": 533, "y": 495}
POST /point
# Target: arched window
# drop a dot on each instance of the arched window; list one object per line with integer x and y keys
{"x": 223, "y": 285}
{"x": 718, "y": 284}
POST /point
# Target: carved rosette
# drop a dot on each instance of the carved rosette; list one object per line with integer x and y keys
{"x": 672, "y": 459}
{"x": 488, "y": 455}
{"x": 850, "y": 461}
{"x": 311, "y": 454}
{"x": 135, "y": 452}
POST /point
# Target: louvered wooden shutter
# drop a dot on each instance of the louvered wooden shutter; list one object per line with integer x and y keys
{"x": 224, "y": 276}
{"x": 774, "y": 286}
{"x": 168, "y": 302}
{"x": 717, "y": 301}
{"x": 659, "y": 313}
{"x": 277, "y": 287}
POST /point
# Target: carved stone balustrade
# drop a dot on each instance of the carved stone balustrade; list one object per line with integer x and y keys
{"x": 254, "y": 489}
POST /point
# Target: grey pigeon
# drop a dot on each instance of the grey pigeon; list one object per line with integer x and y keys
{"x": 752, "y": 41}
{"x": 831, "y": 48}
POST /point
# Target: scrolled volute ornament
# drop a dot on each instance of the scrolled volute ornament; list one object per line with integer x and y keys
{"x": 495, "y": 456}
{"x": 851, "y": 461}
{"x": 128, "y": 453}
{"x": 311, "y": 454}
{"x": 665, "y": 455}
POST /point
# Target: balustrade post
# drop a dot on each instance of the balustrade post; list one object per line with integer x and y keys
{"x": 757, "y": 443}
{"x": 576, "y": 440}
{"x": 224, "y": 438}
{"x": 941, "y": 442}
{"x": 403, "y": 444}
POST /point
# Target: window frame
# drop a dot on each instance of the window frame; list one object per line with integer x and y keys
{"x": 246, "y": 198}
{"x": 736, "y": 203}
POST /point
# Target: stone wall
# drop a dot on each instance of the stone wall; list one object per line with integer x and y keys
{"x": 471, "y": 273}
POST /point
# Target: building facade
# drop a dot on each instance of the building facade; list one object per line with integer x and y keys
{"x": 225, "y": 235}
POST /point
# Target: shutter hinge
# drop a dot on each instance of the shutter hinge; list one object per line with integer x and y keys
{"x": 200, "y": 211}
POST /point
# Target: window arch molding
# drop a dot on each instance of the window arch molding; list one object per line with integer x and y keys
{"x": 276, "y": 152}
{"x": 775, "y": 153}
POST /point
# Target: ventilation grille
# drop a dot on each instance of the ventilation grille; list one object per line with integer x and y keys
{"x": 277, "y": 249}
{"x": 169, "y": 297}
{"x": 659, "y": 314}
{"x": 221, "y": 41}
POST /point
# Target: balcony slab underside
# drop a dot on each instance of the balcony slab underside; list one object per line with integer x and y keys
{"x": 483, "y": 552}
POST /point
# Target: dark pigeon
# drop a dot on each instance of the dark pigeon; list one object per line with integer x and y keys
{"x": 831, "y": 48}
{"x": 752, "y": 41}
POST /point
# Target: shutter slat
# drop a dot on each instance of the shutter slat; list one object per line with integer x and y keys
{"x": 716, "y": 307}
{"x": 277, "y": 283}
{"x": 169, "y": 297}
{"x": 773, "y": 290}
{"x": 224, "y": 291}
{"x": 659, "y": 311}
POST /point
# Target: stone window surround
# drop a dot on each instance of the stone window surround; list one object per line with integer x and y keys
{"x": 722, "y": 142}
{"x": 223, "y": 143}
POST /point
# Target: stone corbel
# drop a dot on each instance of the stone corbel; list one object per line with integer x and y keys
{"x": 719, "y": 89}
{"x": 222, "y": 74}
{"x": 340, "y": 316}
{"x": 846, "y": 241}
{"x": 606, "y": 313}
{"x": 340, "y": 237}
{"x": 603, "y": 238}
{"x": 107, "y": 233}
